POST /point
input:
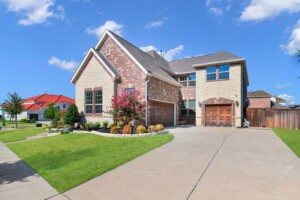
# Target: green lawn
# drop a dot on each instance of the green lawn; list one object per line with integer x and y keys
{"x": 67, "y": 161}
{"x": 291, "y": 138}
{"x": 20, "y": 124}
{"x": 19, "y": 134}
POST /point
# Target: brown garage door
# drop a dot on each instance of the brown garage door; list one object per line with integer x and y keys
{"x": 219, "y": 115}
{"x": 161, "y": 113}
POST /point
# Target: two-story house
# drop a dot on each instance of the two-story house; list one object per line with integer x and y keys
{"x": 203, "y": 90}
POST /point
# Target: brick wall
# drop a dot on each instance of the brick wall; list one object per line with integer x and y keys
{"x": 131, "y": 75}
{"x": 260, "y": 102}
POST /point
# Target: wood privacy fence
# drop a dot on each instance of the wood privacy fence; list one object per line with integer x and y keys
{"x": 274, "y": 118}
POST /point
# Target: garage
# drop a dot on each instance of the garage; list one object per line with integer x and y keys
{"x": 218, "y": 115}
{"x": 161, "y": 113}
{"x": 34, "y": 116}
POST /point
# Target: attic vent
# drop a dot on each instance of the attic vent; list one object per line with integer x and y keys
{"x": 107, "y": 49}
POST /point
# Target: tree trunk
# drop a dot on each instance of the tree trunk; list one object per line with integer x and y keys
{"x": 16, "y": 119}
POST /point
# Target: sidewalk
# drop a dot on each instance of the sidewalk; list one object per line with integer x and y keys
{"x": 18, "y": 181}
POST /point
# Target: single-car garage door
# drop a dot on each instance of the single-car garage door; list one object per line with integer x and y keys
{"x": 218, "y": 115}
{"x": 161, "y": 113}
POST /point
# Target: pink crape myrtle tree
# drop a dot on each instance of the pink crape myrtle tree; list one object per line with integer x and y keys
{"x": 128, "y": 108}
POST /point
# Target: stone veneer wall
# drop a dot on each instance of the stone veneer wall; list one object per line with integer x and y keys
{"x": 228, "y": 89}
{"x": 94, "y": 76}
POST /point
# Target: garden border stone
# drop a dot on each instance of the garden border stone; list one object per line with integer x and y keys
{"x": 119, "y": 135}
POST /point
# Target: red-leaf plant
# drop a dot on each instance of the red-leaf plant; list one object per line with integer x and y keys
{"x": 128, "y": 108}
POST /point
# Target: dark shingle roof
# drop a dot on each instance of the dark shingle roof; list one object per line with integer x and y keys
{"x": 151, "y": 64}
{"x": 186, "y": 65}
{"x": 259, "y": 94}
{"x": 279, "y": 106}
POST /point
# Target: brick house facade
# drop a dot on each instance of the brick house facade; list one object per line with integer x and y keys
{"x": 262, "y": 99}
{"x": 176, "y": 91}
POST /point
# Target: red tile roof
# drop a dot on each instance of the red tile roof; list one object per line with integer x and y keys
{"x": 42, "y": 101}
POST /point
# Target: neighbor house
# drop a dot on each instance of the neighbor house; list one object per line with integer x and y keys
{"x": 35, "y": 106}
{"x": 203, "y": 90}
{"x": 262, "y": 99}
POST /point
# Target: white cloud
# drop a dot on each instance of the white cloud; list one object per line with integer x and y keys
{"x": 34, "y": 11}
{"x": 294, "y": 40}
{"x": 170, "y": 54}
{"x": 62, "y": 64}
{"x": 148, "y": 48}
{"x": 156, "y": 24}
{"x": 259, "y": 10}
{"x": 288, "y": 98}
{"x": 216, "y": 11}
{"x": 108, "y": 25}
{"x": 284, "y": 85}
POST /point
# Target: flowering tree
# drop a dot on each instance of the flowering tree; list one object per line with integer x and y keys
{"x": 128, "y": 108}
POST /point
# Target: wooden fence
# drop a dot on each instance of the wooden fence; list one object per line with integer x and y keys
{"x": 274, "y": 118}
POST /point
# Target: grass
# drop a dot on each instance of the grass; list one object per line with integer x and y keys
{"x": 67, "y": 161}
{"x": 19, "y": 134}
{"x": 291, "y": 138}
{"x": 10, "y": 124}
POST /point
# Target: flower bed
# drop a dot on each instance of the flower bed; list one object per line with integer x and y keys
{"x": 118, "y": 135}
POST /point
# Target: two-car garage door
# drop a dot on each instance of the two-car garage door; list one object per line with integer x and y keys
{"x": 161, "y": 113}
{"x": 218, "y": 115}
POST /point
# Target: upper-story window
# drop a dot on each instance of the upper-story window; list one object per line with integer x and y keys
{"x": 107, "y": 48}
{"x": 88, "y": 102}
{"x": 224, "y": 72}
{"x": 98, "y": 101}
{"x": 64, "y": 106}
{"x": 211, "y": 73}
{"x": 183, "y": 80}
{"x": 217, "y": 73}
{"x": 192, "y": 79}
{"x": 129, "y": 90}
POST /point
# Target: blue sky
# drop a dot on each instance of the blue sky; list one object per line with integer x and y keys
{"x": 43, "y": 41}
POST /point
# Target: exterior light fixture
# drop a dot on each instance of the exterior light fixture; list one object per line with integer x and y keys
{"x": 199, "y": 103}
{"x": 237, "y": 104}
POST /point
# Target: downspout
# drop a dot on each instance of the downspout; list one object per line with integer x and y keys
{"x": 146, "y": 99}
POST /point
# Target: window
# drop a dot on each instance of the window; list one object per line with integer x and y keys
{"x": 64, "y": 106}
{"x": 107, "y": 49}
{"x": 224, "y": 72}
{"x": 192, "y": 107}
{"x": 129, "y": 90}
{"x": 183, "y": 107}
{"x": 88, "y": 102}
{"x": 211, "y": 73}
{"x": 183, "y": 80}
{"x": 98, "y": 101}
{"x": 192, "y": 79}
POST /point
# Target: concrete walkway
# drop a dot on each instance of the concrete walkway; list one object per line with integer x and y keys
{"x": 204, "y": 163}
{"x": 18, "y": 181}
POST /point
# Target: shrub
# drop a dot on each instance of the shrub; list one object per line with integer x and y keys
{"x": 64, "y": 132}
{"x": 97, "y": 125}
{"x": 159, "y": 127}
{"x": 121, "y": 125}
{"x": 54, "y": 123}
{"x": 71, "y": 116}
{"x": 151, "y": 128}
{"x": 127, "y": 129}
{"x": 105, "y": 124}
{"x": 23, "y": 120}
{"x": 33, "y": 120}
{"x": 114, "y": 130}
{"x": 60, "y": 124}
{"x": 141, "y": 129}
{"x": 128, "y": 107}
{"x": 89, "y": 126}
{"x": 111, "y": 125}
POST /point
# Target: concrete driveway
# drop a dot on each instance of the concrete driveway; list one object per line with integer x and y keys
{"x": 204, "y": 163}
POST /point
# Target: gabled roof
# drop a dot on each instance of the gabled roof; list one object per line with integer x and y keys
{"x": 279, "y": 106}
{"x": 187, "y": 65}
{"x": 148, "y": 64}
{"x": 259, "y": 94}
{"x": 280, "y": 100}
{"x": 101, "y": 58}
